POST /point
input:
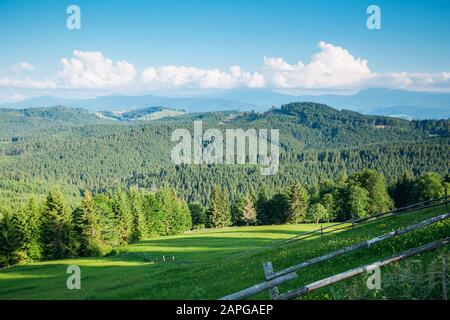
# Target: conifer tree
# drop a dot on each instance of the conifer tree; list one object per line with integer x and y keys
{"x": 103, "y": 205}
{"x": 262, "y": 206}
{"x": 226, "y": 208}
{"x": 236, "y": 212}
{"x": 185, "y": 216}
{"x": 18, "y": 235}
{"x": 298, "y": 201}
{"x": 34, "y": 246}
{"x": 198, "y": 214}
{"x": 278, "y": 206}
{"x": 8, "y": 241}
{"x": 89, "y": 228}
{"x": 167, "y": 207}
{"x": 248, "y": 212}
{"x": 123, "y": 217}
{"x": 215, "y": 213}
{"x": 219, "y": 210}
{"x": 57, "y": 236}
{"x": 154, "y": 213}
{"x": 139, "y": 228}
{"x": 403, "y": 192}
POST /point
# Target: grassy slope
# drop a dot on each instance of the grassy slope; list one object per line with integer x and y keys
{"x": 206, "y": 265}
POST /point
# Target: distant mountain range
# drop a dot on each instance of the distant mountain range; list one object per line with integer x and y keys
{"x": 145, "y": 114}
{"x": 396, "y": 103}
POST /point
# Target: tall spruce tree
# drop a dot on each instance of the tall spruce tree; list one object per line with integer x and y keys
{"x": 298, "y": 202}
{"x": 103, "y": 205}
{"x": 154, "y": 212}
{"x": 89, "y": 228}
{"x": 403, "y": 191}
{"x": 9, "y": 244}
{"x": 219, "y": 210}
{"x": 226, "y": 208}
{"x": 139, "y": 228}
{"x": 34, "y": 246}
{"x": 248, "y": 211}
{"x": 57, "y": 232}
{"x": 262, "y": 206}
{"x": 123, "y": 217}
{"x": 198, "y": 214}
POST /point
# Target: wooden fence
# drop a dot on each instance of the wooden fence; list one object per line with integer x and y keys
{"x": 353, "y": 222}
{"x": 273, "y": 279}
{"x": 341, "y": 226}
{"x": 351, "y": 273}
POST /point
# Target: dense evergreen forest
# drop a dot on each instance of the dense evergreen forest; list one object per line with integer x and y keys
{"x": 75, "y": 149}
{"x": 74, "y": 183}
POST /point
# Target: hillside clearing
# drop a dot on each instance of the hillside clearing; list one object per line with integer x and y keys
{"x": 206, "y": 266}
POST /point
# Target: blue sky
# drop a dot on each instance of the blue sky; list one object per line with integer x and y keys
{"x": 208, "y": 35}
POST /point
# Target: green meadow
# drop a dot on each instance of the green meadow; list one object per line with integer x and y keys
{"x": 212, "y": 263}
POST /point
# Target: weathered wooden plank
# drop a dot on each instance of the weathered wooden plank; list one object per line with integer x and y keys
{"x": 444, "y": 278}
{"x": 257, "y": 288}
{"x": 351, "y": 273}
{"x": 268, "y": 271}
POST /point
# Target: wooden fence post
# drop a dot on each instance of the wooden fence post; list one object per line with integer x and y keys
{"x": 446, "y": 196}
{"x": 444, "y": 278}
{"x": 268, "y": 272}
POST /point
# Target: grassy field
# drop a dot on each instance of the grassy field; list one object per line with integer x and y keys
{"x": 210, "y": 264}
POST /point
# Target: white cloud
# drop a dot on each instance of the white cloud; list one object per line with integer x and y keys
{"x": 439, "y": 81}
{"x": 27, "y": 83}
{"x": 92, "y": 70}
{"x": 332, "y": 68}
{"x": 23, "y": 66}
{"x": 191, "y": 77}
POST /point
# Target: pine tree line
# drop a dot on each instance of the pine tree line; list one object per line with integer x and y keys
{"x": 362, "y": 194}
{"x": 52, "y": 230}
{"x": 103, "y": 222}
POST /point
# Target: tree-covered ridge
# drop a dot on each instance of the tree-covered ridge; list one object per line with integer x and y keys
{"x": 317, "y": 143}
{"x": 16, "y": 124}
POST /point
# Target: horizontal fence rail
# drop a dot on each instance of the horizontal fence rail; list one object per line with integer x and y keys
{"x": 275, "y": 278}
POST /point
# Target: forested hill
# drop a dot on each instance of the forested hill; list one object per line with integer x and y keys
{"x": 16, "y": 123}
{"x": 75, "y": 148}
{"x": 23, "y": 122}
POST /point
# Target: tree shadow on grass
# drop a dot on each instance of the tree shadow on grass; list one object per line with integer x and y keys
{"x": 269, "y": 231}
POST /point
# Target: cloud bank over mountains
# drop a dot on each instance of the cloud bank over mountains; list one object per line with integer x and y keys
{"x": 332, "y": 68}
